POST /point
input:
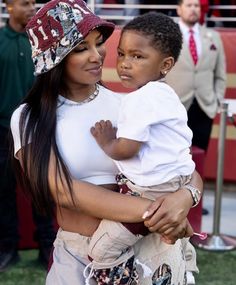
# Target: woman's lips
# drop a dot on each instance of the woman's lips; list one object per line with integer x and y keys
{"x": 95, "y": 70}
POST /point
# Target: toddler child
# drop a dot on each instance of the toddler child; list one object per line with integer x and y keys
{"x": 152, "y": 145}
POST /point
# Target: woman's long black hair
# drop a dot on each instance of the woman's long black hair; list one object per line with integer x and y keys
{"x": 38, "y": 126}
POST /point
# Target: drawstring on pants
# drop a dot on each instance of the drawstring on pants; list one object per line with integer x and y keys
{"x": 90, "y": 275}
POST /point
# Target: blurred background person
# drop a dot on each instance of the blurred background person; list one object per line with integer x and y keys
{"x": 204, "y": 4}
{"x": 16, "y": 78}
{"x": 199, "y": 76}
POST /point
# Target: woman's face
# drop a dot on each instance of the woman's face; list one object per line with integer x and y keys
{"x": 83, "y": 65}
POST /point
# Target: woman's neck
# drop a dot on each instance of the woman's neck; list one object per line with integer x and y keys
{"x": 79, "y": 93}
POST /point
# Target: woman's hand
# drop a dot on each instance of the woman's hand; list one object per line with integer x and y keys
{"x": 168, "y": 216}
{"x": 168, "y": 211}
{"x": 183, "y": 230}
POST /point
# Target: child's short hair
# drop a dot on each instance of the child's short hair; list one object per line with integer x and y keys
{"x": 164, "y": 33}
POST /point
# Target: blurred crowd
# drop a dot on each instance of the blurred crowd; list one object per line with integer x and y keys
{"x": 206, "y": 10}
{"x": 213, "y": 14}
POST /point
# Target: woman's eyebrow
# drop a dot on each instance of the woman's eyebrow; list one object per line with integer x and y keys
{"x": 97, "y": 38}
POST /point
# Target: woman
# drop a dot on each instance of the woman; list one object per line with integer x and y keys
{"x": 61, "y": 161}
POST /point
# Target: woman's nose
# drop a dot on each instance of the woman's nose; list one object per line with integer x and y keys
{"x": 95, "y": 55}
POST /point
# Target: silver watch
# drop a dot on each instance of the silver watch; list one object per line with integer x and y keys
{"x": 196, "y": 194}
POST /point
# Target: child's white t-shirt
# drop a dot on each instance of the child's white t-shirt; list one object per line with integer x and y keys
{"x": 155, "y": 116}
{"x": 84, "y": 158}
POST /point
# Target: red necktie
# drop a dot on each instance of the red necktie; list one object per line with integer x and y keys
{"x": 193, "y": 47}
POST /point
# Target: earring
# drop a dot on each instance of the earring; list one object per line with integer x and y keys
{"x": 164, "y": 72}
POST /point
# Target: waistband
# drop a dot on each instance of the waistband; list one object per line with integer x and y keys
{"x": 174, "y": 184}
{"x": 74, "y": 241}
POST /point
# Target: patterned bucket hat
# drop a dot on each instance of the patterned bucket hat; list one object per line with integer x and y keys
{"x": 58, "y": 27}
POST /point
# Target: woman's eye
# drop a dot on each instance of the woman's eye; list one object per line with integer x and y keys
{"x": 80, "y": 49}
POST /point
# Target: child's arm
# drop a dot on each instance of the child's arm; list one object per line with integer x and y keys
{"x": 118, "y": 149}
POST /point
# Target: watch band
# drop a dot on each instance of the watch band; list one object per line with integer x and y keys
{"x": 196, "y": 194}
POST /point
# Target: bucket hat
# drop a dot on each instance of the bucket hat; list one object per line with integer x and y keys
{"x": 58, "y": 27}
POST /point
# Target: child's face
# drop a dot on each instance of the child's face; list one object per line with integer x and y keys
{"x": 138, "y": 62}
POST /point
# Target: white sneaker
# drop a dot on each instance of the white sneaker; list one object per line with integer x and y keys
{"x": 190, "y": 278}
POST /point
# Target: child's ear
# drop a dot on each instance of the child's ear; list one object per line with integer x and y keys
{"x": 167, "y": 64}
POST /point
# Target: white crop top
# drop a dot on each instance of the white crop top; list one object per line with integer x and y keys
{"x": 84, "y": 158}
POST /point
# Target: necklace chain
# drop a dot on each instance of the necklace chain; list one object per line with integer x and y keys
{"x": 90, "y": 98}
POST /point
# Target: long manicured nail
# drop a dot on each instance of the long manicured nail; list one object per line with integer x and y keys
{"x": 145, "y": 215}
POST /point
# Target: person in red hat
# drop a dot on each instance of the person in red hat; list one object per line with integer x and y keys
{"x": 62, "y": 165}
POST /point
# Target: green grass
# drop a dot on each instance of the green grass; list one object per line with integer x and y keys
{"x": 26, "y": 272}
{"x": 216, "y": 268}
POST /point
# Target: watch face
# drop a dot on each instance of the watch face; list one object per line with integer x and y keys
{"x": 196, "y": 194}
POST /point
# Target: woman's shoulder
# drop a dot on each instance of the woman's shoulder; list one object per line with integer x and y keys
{"x": 17, "y": 112}
{"x": 15, "y": 127}
{"x": 15, "y": 118}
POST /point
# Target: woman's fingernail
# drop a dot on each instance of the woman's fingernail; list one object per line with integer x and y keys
{"x": 145, "y": 215}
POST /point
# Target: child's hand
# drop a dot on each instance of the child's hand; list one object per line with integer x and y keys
{"x": 103, "y": 132}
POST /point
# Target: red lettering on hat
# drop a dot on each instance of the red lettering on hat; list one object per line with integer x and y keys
{"x": 45, "y": 33}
